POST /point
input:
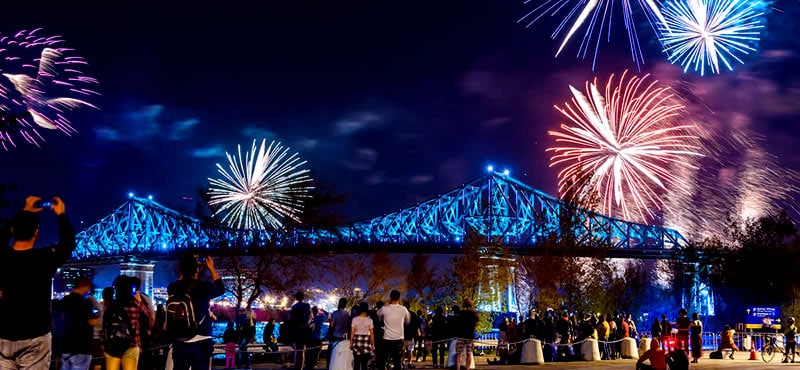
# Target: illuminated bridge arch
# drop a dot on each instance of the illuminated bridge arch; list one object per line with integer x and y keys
{"x": 497, "y": 207}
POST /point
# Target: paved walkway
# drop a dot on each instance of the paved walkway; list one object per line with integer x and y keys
{"x": 705, "y": 363}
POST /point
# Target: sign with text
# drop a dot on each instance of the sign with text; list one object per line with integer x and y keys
{"x": 765, "y": 317}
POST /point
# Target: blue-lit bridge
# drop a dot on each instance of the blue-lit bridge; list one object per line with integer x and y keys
{"x": 495, "y": 208}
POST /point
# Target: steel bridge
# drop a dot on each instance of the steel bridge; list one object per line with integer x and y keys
{"x": 496, "y": 208}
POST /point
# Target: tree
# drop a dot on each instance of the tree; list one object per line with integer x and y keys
{"x": 481, "y": 274}
{"x": 421, "y": 279}
{"x": 345, "y": 274}
{"x": 752, "y": 263}
{"x": 558, "y": 279}
{"x": 384, "y": 276}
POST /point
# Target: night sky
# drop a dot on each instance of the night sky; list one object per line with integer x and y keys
{"x": 391, "y": 102}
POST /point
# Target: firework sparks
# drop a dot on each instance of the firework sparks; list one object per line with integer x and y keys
{"x": 739, "y": 182}
{"x": 261, "y": 189}
{"x": 704, "y": 34}
{"x": 41, "y": 81}
{"x": 622, "y": 145}
{"x": 595, "y": 16}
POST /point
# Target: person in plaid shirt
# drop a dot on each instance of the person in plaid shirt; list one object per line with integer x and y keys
{"x": 137, "y": 310}
{"x": 363, "y": 337}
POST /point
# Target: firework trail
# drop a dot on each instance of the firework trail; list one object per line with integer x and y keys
{"x": 704, "y": 34}
{"x": 736, "y": 182}
{"x": 595, "y": 16}
{"x": 737, "y": 179}
{"x": 260, "y": 189}
{"x": 41, "y": 81}
{"x": 622, "y": 145}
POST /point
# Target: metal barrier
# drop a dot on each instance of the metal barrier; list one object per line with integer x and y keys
{"x": 712, "y": 340}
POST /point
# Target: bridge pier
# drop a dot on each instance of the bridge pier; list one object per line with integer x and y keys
{"x": 698, "y": 296}
{"x": 143, "y": 271}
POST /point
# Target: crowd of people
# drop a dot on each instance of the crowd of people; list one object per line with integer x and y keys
{"x": 388, "y": 333}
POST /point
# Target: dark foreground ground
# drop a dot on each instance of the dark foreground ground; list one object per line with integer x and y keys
{"x": 705, "y": 363}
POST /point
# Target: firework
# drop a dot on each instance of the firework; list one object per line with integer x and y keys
{"x": 595, "y": 16}
{"x": 623, "y": 145}
{"x": 704, "y": 34}
{"x": 262, "y": 189}
{"x": 738, "y": 182}
{"x": 737, "y": 179}
{"x": 41, "y": 81}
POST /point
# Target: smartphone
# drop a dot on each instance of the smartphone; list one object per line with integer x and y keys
{"x": 44, "y": 204}
{"x": 201, "y": 260}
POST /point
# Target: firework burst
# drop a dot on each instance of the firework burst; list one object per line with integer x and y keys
{"x": 705, "y": 34}
{"x": 261, "y": 189}
{"x": 623, "y": 145}
{"x": 595, "y": 16}
{"x": 41, "y": 81}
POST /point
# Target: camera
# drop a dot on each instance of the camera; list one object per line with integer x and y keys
{"x": 43, "y": 204}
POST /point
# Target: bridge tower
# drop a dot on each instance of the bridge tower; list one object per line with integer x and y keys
{"x": 697, "y": 296}
{"x": 501, "y": 291}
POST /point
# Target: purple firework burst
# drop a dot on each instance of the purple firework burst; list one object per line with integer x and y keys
{"x": 40, "y": 82}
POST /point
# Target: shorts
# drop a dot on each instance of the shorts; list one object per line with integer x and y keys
{"x": 464, "y": 345}
{"x": 132, "y": 352}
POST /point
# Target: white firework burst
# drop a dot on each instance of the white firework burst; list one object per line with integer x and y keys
{"x": 261, "y": 189}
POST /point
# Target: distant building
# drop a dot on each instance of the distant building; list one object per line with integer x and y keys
{"x": 64, "y": 280}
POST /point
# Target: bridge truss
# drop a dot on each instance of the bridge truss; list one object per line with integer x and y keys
{"x": 496, "y": 208}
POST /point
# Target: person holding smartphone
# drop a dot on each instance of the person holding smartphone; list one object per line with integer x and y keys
{"x": 26, "y": 274}
{"x": 195, "y": 352}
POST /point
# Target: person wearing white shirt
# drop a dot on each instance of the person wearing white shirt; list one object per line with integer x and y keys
{"x": 394, "y": 317}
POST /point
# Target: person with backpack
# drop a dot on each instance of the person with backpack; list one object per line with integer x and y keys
{"x": 187, "y": 320}
{"x": 122, "y": 324}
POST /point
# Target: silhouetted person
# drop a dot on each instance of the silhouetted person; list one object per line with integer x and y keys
{"x": 196, "y": 351}
{"x": 26, "y": 274}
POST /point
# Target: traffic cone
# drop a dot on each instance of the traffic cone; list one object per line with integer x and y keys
{"x": 753, "y": 349}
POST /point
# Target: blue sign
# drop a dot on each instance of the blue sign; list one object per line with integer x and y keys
{"x": 764, "y": 317}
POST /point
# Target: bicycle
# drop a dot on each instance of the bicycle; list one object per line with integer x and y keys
{"x": 769, "y": 349}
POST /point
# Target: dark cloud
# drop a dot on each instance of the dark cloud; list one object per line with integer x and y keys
{"x": 146, "y": 123}
{"x": 209, "y": 152}
{"x": 307, "y": 144}
{"x": 356, "y": 122}
{"x": 258, "y": 131}
{"x": 182, "y": 129}
{"x": 420, "y": 179}
{"x": 363, "y": 159}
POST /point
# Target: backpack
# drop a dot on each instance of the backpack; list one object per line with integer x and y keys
{"x": 117, "y": 330}
{"x": 180, "y": 322}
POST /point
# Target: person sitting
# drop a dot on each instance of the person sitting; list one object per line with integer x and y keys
{"x": 656, "y": 355}
{"x": 678, "y": 359}
{"x": 726, "y": 341}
